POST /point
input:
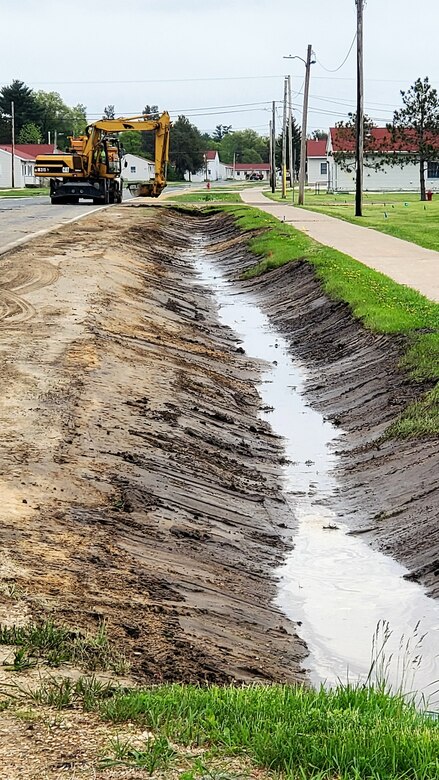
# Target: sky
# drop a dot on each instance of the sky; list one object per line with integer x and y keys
{"x": 218, "y": 61}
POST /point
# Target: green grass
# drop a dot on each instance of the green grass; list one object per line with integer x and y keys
{"x": 380, "y": 303}
{"x": 346, "y": 734}
{"x": 398, "y": 214}
{"x": 208, "y": 195}
{"x": 27, "y": 192}
{"x": 354, "y": 732}
{"x": 56, "y": 645}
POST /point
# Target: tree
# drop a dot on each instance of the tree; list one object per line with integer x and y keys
{"x": 319, "y": 135}
{"x": 296, "y": 149}
{"x": 220, "y": 131}
{"x": 415, "y": 129}
{"x": 54, "y": 116}
{"x": 374, "y": 156}
{"x": 77, "y": 119}
{"x": 109, "y": 112}
{"x": 235, "y": 144}
{"x": 29, "y": 134}
{"x": 186, "y": 147}
{"x": 148, "y": 138}
{"x": 26, "y": 107}
{"x": 131, "y": 143}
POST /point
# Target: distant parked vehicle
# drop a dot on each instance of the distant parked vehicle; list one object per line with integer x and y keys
{"x": 255, "y": 176}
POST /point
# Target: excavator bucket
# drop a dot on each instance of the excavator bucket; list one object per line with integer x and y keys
{"x": 150, "y": 189}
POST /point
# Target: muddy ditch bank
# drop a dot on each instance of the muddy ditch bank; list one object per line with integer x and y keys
{"x": 138, "y": 485}
{"x": 388, "y": 490}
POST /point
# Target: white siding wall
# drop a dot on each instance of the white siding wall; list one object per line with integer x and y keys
{"x": 6, "y": 170}
{"x": 314, "y": 174}
{"x": 390, "y": 178}
{"x": 215, "y": 171}
{"x": 137, "y": 168}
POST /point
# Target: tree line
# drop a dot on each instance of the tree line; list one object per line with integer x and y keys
{"x": 37, "y": 114}
{"x": 41, "y": 115}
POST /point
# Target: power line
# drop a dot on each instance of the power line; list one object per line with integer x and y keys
{"x": 334, "y": 70}
{"x": 401, "y": 82}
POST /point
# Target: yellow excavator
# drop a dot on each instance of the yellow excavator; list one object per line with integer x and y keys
{"x": 92, "y": 166}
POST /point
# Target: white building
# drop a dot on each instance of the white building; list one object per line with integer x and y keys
{"x": 252, "y": 171}
{"x": 317, "y": 164}
{"x": 24, "y": 163}
{"x": 213, "y": 169}
{"x": 137, "y": 169}
{"x": 388, "y": 178}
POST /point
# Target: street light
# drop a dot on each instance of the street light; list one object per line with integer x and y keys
{"x": 308, "y": 62}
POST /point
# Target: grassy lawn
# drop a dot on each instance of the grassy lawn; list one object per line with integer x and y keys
{"x": 204, "y": 196}
{"x": 27, "y": 192}
{"x": 194, "y": 732}
{"x": 398, "y": 214}
{"x": 380, "y": 303}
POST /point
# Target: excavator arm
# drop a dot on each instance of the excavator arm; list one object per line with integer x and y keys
{"x": 161, "y": 127}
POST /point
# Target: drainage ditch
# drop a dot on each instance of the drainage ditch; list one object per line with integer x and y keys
{"x": 353, "y": 605}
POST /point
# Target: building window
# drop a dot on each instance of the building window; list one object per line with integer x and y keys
{"x": 324, "y": 169}
{"x": 133, "y": 169}
{"x": 433, "y": 170}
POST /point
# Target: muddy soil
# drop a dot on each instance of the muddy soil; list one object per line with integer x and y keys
{"x": 388, "y": 491}
{"x": 138, "y": 486}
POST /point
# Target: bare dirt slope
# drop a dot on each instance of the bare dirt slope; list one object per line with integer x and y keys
{"x": 137, "y": 484}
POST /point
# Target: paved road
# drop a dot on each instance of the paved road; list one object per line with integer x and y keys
{"x": 21, "y": 217}
{"x": 403, "y": 261}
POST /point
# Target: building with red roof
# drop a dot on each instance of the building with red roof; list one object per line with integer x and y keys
{"x": 317, "y": 163}
{"x": 378, "y": 142}
{"x": 24, "y": 162}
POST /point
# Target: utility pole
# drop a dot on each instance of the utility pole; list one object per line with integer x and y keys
{"x": 290, "y": 136}
{"x": 273, "y": 148}
{"x": 270, "y": 157}
{"x": 284, "y": 143}
{"x": 359, "y": 144}
{"x": 13, "y": 143}
{"x": 302, "y": 169}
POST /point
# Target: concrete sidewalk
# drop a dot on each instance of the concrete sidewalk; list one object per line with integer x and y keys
{"x": 403, "y": 261}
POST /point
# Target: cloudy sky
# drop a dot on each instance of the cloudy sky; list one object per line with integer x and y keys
{"x": 217, "y": 61}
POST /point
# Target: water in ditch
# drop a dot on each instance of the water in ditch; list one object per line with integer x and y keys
{"x": 341, "y": 593}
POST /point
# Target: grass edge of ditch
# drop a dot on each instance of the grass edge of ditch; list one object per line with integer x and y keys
{"x": 379, "y": 303}
{"x": 349, "y": 733}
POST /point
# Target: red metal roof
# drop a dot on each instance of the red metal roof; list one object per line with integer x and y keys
{"x": 29, "y": 151}
{"x": 21, "y": 155}
{"x": 252, "y": 166}
{"x": 316, "y": 148}
{"x": 210, "y": 155}
{"x": 379, "y": 140}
